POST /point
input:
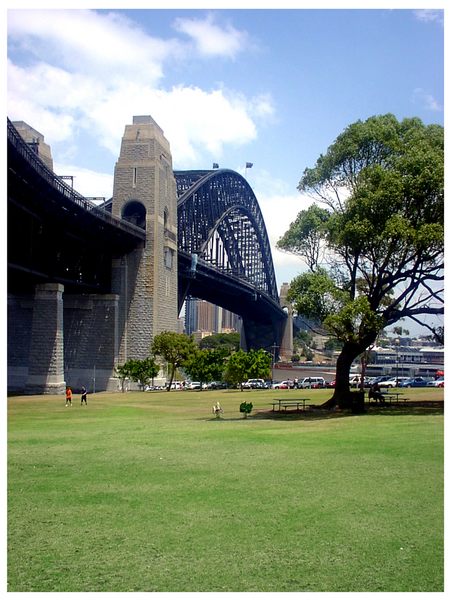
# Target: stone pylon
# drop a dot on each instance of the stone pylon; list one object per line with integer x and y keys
{"x": 46, "y": 361}
{"x": 144, "y": 194}
{"x": 286, "y": 350}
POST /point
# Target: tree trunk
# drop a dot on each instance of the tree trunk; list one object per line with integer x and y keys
{"x": 173, "y": 370}
{"x": 342, "y": 396}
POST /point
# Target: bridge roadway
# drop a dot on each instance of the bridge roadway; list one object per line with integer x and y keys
{"x": 57, "y": 235}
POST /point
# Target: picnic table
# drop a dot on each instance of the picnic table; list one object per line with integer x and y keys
{"x": 299, "y": 404}
{"x": 390, "y": 396}
{"x": 394, "y": 396}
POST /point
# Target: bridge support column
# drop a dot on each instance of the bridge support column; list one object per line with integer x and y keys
{"x": 90, "y": 340}
{"x": 46, "y": 362}
{"x": 286, "y": 350}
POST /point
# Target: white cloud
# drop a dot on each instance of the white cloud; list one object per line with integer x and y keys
{"x": 213, "y": 40}
{"x": 97, "y": 45}
{"x": 86, "y": 182}
{"x": 83, "y": 73}
{"x": 429, "y": 15}
{"x": 427, "y": 100}
{"x": 279, "y": 211}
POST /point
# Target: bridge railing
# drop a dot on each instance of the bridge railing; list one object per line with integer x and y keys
{"x": 57, "y": 183}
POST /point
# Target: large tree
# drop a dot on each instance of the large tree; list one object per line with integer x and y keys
{"x": 175, "y": 348}
{"x": 374, "y": 240}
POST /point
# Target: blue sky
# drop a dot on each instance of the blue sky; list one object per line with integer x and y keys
{"x": 270, "y": 86}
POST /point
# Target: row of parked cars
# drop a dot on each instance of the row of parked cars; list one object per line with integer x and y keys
{"x": 304, "y": 383}
{"x": 410, "y": 382}
{"x": 391, "y": 382}
{"x": 312, "y": 383}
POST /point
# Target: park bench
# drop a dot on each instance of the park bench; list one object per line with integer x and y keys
{"x": 389, "y": 396}
{"x": 299, "y": 404}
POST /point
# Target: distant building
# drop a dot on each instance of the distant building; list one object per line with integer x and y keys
{"x": 202, "y": 316}
{"x": 407, "y": 361}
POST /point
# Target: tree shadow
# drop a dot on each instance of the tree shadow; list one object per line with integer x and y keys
{"x": 388, "y": 409}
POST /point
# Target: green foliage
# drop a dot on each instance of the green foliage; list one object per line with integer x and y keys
{"x": 382, "y": 183}
{"x": 259, "y": 364}
{"x": 308, "y": 354}
{"x": 123, "y": 372}
{"x": 174, "y": 348}
{"x": 227, "y": 342}
{"x": 243, "y": 365}
{"x": 205, "y": 365}
{"x": 141, "y": 371}
{"x": 303, "y": 237}
{"x": 331, "y": 345}
{"x": 315, "y": 295}
{"x": 236, "y": 368}
{"x": 354, "y": 321}
{"x": 246, "y": 408}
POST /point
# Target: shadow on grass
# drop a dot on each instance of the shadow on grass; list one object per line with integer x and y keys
{"x": 223, "y": 419}
{"x": 313, "y": 412}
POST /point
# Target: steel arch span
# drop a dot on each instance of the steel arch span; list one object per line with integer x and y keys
{"x": 224, "y": 252}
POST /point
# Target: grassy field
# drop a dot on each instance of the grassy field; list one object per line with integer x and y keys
{"x": 149, "y": 492}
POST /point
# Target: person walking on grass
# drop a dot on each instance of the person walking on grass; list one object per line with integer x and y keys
{"x": 83, "y": 398}
{"x": 68, "y": 396}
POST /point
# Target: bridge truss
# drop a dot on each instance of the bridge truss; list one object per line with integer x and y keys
{"x": 224, "y": 251}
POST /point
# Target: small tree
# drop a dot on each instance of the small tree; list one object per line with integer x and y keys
{"x": 140, "y": 371}
{"x": 143, "y": 371}
{"x": 246, "y": 408}
{"x": 205, "y": 365}
{"x": 123, "y": 373}
{"x": 237, "y": 368}
{"x": 175, "y": 348}
{"x": 242, "y": 365}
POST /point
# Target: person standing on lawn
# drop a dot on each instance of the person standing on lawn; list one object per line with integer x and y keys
{"x": 83, "y": 398}
{"x": 68, "y": 396}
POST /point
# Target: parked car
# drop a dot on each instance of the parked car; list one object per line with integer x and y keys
{"x": 378, "y": 379}
{"x": 254, "y": 384}
{"x": 311, "y": 382}
{"x": 414, "y": 382}
{"x": 388, "y": 383}
{"x": 355, "y": 381}
{"x": 217, "y": 385}
{"x": 436, "y": 382}
{"x": 280, "y": 385}
{"x": 194, "y": 385}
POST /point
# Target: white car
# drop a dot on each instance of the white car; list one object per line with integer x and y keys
{"x": 254, "y": 384}
{"x": 394, "y": 381}
{"x": 280, "y": 385}
{"x": 436, "y": 383}
{"x": 311, "y": 382}
{"x": 194, "y": 385}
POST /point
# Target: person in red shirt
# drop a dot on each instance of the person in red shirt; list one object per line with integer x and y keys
{"x": 68, "y": 396}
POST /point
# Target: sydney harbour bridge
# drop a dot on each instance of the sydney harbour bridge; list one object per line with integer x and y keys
{"x": 83, "y": 277}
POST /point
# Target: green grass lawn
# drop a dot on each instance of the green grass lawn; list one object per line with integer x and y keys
{"x": 149, "y": 492}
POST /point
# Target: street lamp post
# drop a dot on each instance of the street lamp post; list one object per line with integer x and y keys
{"x": 397, "y": 343}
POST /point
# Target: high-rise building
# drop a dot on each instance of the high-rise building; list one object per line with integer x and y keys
{"x": 203, "y": 316}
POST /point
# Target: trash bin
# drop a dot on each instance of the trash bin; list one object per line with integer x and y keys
{"x": 357, "y": 403}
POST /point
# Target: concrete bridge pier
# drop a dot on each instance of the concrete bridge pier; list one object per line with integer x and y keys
{"x": 46, "y": 361}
